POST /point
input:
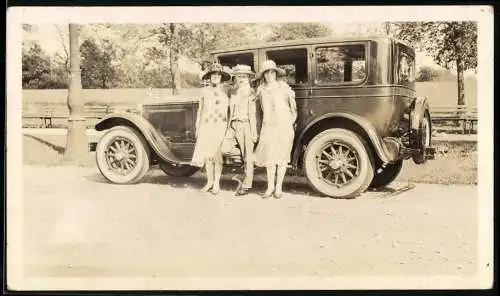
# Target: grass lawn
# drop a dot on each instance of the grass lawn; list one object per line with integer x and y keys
{"x": 455, "y": 163}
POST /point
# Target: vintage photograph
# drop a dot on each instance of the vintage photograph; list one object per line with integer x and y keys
{"x": 237, "y": 149}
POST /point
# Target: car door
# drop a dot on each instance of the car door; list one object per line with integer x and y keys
{"x": 296, "y": 61}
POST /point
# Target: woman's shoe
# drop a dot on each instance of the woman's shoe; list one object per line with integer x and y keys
{"x": 206, "y": 188}
{"x": 242, "y": 191}
{"x": 267, "y": 194}
{"x": 278, "y": 195}
{"x": 215, "y": 190}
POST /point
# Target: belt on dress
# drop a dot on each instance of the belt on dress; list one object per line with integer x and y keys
{"x": 240, "y": 120}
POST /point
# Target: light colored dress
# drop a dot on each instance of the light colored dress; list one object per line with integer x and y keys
{"x": 277, "y": 133}
{"x": 211, "y": 125}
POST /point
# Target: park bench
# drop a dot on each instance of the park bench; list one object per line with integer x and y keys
{"x": 47, "y": 115}
{"x": 463, "y": 117}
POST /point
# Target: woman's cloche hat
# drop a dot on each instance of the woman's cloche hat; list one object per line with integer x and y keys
{"x": 267, "y": 66}
{"x": 216, "y": 68}
{"x": 242, "y": 69}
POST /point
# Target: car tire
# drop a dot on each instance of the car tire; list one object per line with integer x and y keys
{"x": 387, "y": 174}
{"x": 177, "y": 170}
{"x": 423, "y": 138}
{"x": 343, "y": 174}
{"x": 122, "y": 155}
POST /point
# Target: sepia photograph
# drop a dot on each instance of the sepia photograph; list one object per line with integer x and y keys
{"x": 249, "y": 148}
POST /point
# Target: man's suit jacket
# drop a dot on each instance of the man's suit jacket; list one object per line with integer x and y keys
{"x": 252, "y": 108}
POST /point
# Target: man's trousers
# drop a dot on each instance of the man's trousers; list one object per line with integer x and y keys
{"x": 243, "y": 136}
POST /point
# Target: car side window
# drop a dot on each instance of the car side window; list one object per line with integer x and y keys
{"x": 340, "y": 64}
{"x": 406, "y": 68}
{"x": 293, "y": 61}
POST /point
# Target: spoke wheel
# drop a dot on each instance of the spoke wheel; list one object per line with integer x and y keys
{"x": 122, "y": 155}
{"x": 338, "y": 164}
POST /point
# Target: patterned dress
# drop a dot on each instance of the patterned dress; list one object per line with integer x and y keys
{"x": 211, "y": 125}
{"x": 279, "y": 114}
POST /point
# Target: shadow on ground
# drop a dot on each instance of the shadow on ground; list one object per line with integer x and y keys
{"x": 227, "y": 183}
{"x": 58, "y": 149}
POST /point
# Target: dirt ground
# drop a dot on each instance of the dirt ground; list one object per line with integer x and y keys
{"x": 78, "y": 225}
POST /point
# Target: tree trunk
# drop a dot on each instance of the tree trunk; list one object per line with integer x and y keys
{"x": 77, "y": 141}
{"x": 460, "y": 92}
{"x": 460, "y": 82}
{"x": 387, "y": 27}
{"x": 174, "y": 59}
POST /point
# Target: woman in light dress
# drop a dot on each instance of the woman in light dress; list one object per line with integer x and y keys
{"x": 211, "y": 126}
{"x": 277, "y": 100}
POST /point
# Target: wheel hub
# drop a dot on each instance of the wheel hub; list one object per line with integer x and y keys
{"x": 120, "y": 156}
{"x": 336, "y": 164}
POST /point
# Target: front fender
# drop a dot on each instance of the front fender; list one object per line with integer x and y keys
{"x": 418, "y": 109}
{"x": 154, "y": 139}
{"x": 386, "y": 153}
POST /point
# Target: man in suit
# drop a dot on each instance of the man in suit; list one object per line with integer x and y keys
{"x": 242, "y": 116}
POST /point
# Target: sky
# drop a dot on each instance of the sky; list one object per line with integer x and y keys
{"x": 50, "y": 39}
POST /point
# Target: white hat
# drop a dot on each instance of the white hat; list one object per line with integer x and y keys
{"x": 270, "y": 65}
{"x": 242, "y": 69}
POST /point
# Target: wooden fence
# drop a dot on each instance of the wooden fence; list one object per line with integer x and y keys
{"x": 449, "y": 119}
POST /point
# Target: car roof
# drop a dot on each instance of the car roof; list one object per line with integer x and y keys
{"x": 306, "y": 42}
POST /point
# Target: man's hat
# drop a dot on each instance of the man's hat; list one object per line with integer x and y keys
{"x": 242, "y": 69}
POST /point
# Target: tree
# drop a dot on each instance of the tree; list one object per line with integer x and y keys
{"x": 96, "y": 67}
{"x": 426, "y": 73}
{"x": 35, "y": 67}
{"x": 290, "y": 31}
{"x": 453, "y": 45}
{"x": 175, "y": 38}
{"x": 77, "y": 141}
{"x": 39, "y": 70}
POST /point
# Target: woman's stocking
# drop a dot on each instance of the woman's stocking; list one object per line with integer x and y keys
{"x": 209, "y": 167}
{"x": 280, "y": 178}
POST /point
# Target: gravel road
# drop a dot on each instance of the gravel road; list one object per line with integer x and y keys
{"x": 78, "y": 225}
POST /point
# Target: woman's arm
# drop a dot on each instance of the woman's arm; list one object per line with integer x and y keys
{"x": 292, "y": 103}
{"x": 198, "y": 115}
{"x": 293, "y": 106}
{"x": 252, "y": 111}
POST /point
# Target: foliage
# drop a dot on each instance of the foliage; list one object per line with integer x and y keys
{"x": 427, "y": 73}
{"x": 39, "y": 72}
{"x": 290, "y": 31}
{"x": 453, "y": 45}
{"x": 446, "y": 42}
{"x": 96, "y": 65}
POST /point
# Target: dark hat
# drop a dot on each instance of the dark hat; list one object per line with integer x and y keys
{"x": 216, "y": 68}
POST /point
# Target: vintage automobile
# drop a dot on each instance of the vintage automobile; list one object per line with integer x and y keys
{"x": 359, "y": 117}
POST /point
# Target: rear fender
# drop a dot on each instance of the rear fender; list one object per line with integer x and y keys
{"x": 154, "y": 139}
{"x": 385, "y": 152}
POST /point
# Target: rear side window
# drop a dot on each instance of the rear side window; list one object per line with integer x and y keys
{"x": 406, "y": 68}
{"x": 341, "y": 64}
